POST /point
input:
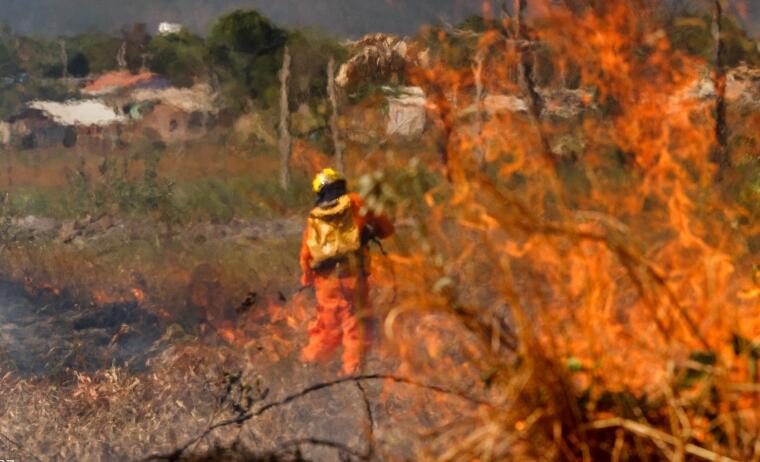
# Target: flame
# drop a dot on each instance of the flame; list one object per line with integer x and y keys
{"x": 552, "y": 288}
{"x": 138, "y": 294}
{"x": 229, "y": 334}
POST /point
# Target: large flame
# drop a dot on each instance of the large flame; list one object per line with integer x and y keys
{"x": 588, "y": 294}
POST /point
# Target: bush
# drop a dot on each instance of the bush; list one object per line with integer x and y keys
{"x": 245, "y": 50}
{"x": 181, "y": 57}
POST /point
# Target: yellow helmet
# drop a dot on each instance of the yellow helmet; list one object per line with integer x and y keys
{"x": 325, "y": 177}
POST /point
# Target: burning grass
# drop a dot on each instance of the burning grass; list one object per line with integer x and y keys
{"x": 607, "y": 304}
{"x": 599, "y": 301}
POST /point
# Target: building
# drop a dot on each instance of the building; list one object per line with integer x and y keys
{"x": 169, "y": 28}
{"x": 172, "y": 114}
{"x": 114, "y": 83}
{"x": 44, "y": 124}
{"x": 407, "y": 113}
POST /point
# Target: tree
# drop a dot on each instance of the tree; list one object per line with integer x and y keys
{"x": 720, "y": 154}
{"x": 136, "y": 42}
{"x": 99, "y": 50}
{"x": 285, "y": 140}
{"x": 245, "y": 50}
{"x": 311, "y": 53}
{"x": 332, "y": 92}
{"x": 39, "y": 56}
{"x": 181, "y": 57}
{"x": 79, "y": 65}
{"x": 9, "y": 62}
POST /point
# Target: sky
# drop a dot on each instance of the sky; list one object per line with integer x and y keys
{"x": 350, "y": 18}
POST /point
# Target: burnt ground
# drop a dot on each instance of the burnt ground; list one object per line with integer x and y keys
{"x": 171, "y": 381}
{"x": 44, "y": 335}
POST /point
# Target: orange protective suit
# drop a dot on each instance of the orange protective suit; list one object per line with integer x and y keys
{"x": 342, "y": 295}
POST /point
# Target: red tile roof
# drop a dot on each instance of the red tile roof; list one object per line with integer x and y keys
{"x": 116, "y": 80}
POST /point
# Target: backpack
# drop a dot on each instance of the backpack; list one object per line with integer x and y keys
{"x": 332, "y": 232}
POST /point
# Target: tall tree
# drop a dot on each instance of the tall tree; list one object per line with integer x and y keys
{"x": 333, "y": 94}
{"x": 64, "y": 59}
{"x": 477, "y": 71}
{"x": 180, "y": 57}
{"x": 136, "y": 42}
{"x": 720, "y": 153}
{"x": 245, "y": 50}
{"x": 525, "y": 74}
{"x": 285, "y": 140}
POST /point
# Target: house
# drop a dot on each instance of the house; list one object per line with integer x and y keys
{"x": 31, "y": 128}
{"x": 130, "y": 107}
{"x": 199, "y": 98}
{"x": 169, "y": 28}
{"x": 173, "y": 114}
{"x": 407, "y": 113}
{"x": 50, "y": 123}
{"x": 78, "y": 112}
{"x": 114, "y": 83}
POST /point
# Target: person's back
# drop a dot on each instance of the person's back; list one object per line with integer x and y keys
{"x": 334, "y": 259}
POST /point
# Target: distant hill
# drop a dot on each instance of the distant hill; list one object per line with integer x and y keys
{"x": 341, "y": 17}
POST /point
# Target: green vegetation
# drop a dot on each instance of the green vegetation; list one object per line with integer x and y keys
{"x": 146, "y": 181}
{"x": 14, "y": 95}
{"x": 311, "y": 51}
{"x": 181, "y": 57}
{"x": 246, "y": 52}
{"x": 98, "y": 49}
{"x": 242, "y": 52}
{"x": 693, "y": 35}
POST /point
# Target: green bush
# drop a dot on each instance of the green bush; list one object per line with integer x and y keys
{"x": 245, "y": 51}
{"x": 181, "y": 57}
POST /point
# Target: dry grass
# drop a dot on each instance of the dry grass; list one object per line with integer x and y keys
{"x": 112, "y": 414}
{"x": 606, "y": 305}
{"x": 602, "y": 308}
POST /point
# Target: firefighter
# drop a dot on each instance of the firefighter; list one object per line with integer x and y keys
{"x": 335, "y": 261}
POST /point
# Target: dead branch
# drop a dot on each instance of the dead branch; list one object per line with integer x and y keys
{"x": 525, "y": 76}
{"x": 342, "y": 448}
{"x": 477, "y": 70}
{"x": 285, "y": 142}
{"x": 720, "y": 154}
{"x": 370, "y": 421}
{"x": 18, "y": 446}
{"x": 653, "y": 434}
{"x": 333, "y": 96}
{"x": 177, "y": 453}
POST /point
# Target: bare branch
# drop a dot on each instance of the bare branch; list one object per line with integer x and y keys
{"x": 284, "y": 125}
{"x": 342, "y": 448}
{"x": 720, "y": 154}
{"x": 177, "y": 453}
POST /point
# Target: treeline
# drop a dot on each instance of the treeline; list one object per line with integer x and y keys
{"x": 688, "y": 30}
{"x": 241, "y": 54}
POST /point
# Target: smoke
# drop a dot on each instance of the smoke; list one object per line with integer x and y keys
{"x": 342, "y": 17}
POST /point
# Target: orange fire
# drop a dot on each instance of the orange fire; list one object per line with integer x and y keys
{"x": 589, "y": 272}
{"x": 138, "y": 294}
